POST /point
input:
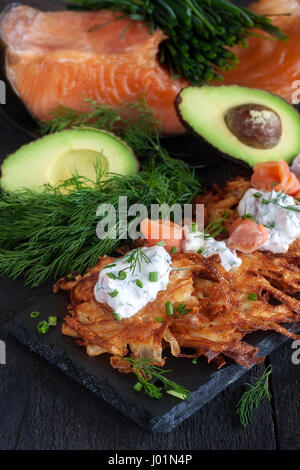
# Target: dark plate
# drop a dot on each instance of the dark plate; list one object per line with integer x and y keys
{"x": 190, "y": 148}
{"x": 203, "y": 379}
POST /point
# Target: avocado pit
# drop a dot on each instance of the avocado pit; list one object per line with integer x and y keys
{"x": 255, "y": 125}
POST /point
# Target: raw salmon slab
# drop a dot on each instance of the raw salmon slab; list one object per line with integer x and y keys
{"x": 66, "y": 57}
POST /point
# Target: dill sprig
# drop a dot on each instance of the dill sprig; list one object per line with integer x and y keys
{"x": 133, "y": 122}
{"x": 275, "y": 199}
{"x": 216, "y": 226}
{"x": 200, "y": 32}
{"x": 135, "y": 260}
{"x": 146, "y": 371}
{"x": 253, "y": 397}
{"x": 46, "y": 234}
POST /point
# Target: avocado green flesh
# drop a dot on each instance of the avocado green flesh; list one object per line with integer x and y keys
{"x": 57, "y": 157}
{"x": 203, "y": 109}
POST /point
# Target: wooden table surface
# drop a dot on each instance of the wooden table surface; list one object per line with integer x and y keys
{"x": 41, "y": 408}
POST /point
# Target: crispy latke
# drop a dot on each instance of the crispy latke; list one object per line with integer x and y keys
{"x": 221, "y": 313}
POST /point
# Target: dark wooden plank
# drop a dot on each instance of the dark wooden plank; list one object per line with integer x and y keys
{"x": 43, "y": 409}
{"x": 285, "y": 384}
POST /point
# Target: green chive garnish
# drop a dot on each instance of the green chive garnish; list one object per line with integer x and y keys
{"x": 43, "y": 327}
{"x": 138, "y": 387}
{"x": 176, "y": 394}
{"x": 139, "y": 284}
{"x": 153, "y": 276}
{"x": 247, "y": 216}
{"x": 194, "y": 361}
{"x": 257, "y": 195}
{"x": 117, "y": 317}
{"x": 114, "y": 293}
{"x": 122, "y": 275}
{"x": 159, "y": 319}
{"x": 252, "y": 296}
{"x": 173, "y": 250}
{"x": 169, "y": 308}
{"x": 70, "y": 277}
{"x": 273, "y": 184}
{"x": 34, "y": 314}
{"x": 109, "y": 266}
{"x": 52, "y": 321}
{"x": 194, "y": 227}
{"x": 161, "y": 243}
{"x": 201, "y": 250}
{"x": 111, "y": 276}
{"x": 182, "y": 309}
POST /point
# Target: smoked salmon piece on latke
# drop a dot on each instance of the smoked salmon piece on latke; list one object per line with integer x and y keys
{"x": 63, "y": 57}
{"x": 267, "y": 64}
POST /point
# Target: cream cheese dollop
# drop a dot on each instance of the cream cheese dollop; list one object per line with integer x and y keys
{"x": 130, "y": 291}
{"x": 278, "y": 212}
{"x": 195, "y": 241}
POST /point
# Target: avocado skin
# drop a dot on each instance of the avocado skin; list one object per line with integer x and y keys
{"x": 208, "y": 145}
{"x": 204, "y": 143}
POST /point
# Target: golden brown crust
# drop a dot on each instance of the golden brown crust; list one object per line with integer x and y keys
{"x": 221, "y": 312}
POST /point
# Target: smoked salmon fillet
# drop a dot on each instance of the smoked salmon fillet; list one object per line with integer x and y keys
{"x": 267, "y": 64}
{"x": 65, "y": 56}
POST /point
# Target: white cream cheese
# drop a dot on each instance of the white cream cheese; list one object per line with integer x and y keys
{"x": 129, "y": 292}
{"x": 276, "y": 211}
{"x": 195, "y": 241}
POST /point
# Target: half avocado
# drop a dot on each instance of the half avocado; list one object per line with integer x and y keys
{"x": 246, "y": 124}
{"x": 57, "y": 157}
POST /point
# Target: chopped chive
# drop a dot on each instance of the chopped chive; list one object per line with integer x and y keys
{"x": 257, "y": 195}
{"x": 122, "y": 275}
{"x": 43, "y": 327}
{"x": 114, "y": 293}
{"x": 169, "y": 308}
{"x": 117, "y": 317}
{"x": 182, "y": 309}
{"x": 70, "y": 277}
{"x": 194, "y": 227}
{"x": 252, "y": 296}
{"x": 111, "y": 276}
{"x": 159, "y": 319}
{"x": 153, "y": 276}
{"x": 176, "y": 394}
{"x": 201, "y": 250}
{"x": 270, "y": 226}
{"x": 173, "y": 250}
{"x": 247, "y": 216}
{"x": 273, "y": 184}
{"x": 265, "y": 201}
{"x": 161, "y": 243}
{"x": 109, "y": 266}
{"x": 34, "y": 314}
{"x": 176, "y": 316}
{"x": 139, "y": 284}
{"x": 194, "y": 361}
{"x": 52, "y": 321}
{"x": 138, "y": 387}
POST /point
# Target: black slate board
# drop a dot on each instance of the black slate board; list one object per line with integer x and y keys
{"x": 203, "y": 379}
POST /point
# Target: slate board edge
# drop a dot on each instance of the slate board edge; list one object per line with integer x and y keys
{"x": 165, "y": 423}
